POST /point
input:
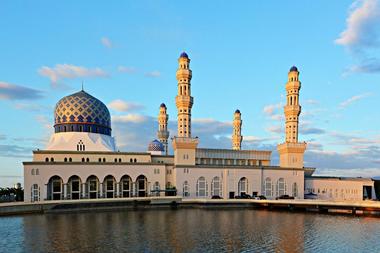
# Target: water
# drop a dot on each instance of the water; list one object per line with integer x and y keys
{"x": 190, "y": 230}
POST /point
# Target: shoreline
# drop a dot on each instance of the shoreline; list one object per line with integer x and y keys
{"x": 90, "y": 205}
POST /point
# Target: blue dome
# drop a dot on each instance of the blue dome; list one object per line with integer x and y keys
{"x": 294, "y": 68}
{"x": 237, "y": 111}
{"x": 156, "y": 146}
{"x": 81, "y": 112}
{"x": 184, "y": 55}
{"x": 163, "y": 105}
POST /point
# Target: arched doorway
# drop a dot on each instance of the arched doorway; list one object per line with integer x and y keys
{"x": 92, "y": 188}
{"x": 109, "y": 185}
{"x": 55, "y": 188}
{"x": 243, "y": 186}
{"x": 126, "y": 186}
{"x": 74, "y": 188}
{"x": 141, "y": 186}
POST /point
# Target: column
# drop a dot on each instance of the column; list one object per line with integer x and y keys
{"x": 117, "y": 190}
{"x": 83, "y": 190}
{"x": 101, "y": 190}
{"x": 64, "y": 191}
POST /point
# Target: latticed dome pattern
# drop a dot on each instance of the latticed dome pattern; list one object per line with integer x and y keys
{"x": 81, "y": 112}
{"x": 156, "y": 146}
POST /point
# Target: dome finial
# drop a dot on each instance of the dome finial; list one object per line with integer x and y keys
{"x": 82, "y": 86}
{"x": 184, "y": 55}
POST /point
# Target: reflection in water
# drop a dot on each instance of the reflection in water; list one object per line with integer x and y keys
{"x": 189, "y": 230}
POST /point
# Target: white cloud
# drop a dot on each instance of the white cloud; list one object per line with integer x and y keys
{"x": 67, "y": 71}
{"x": 362, "y": 25}
{"x": 154, "y": 74}
{"x": 106, "y": 42}
{"x": 353, "y": 99}
{"x": 274, "y": 112}
{"x": 124, "y": 106}
{"x": 129, "y": 118}
{"x": 124, "y": 69}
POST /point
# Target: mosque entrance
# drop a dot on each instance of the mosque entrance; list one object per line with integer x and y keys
{"x": 367, "y": 192}
{"x": 141, "y": 185}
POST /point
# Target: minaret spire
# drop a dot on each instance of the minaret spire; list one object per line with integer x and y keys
{"x": 236, "y": 134}
{"x": 184, "y": 100}
{"x": 291, "y": 152}
{"x": 163, "y": 133}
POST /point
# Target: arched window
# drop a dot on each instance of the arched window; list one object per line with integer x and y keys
{"x": 119, "y": 160}
{"x": 51, "y": 159}
{"x": 268, "y": 187}
{"x": 37, "y": 171}
{"x": 126, "y": 186}
{"x": 87, "y": 159}
{"x": 74, "y": 188}
{"x": 65, "y": 159}
{"x": 109, "y": 185}
{"x": 115, "y": 160}
{"x": 70, "y": 159}
{"x": 291, "y": 100}
{"x": 35, "y": 193}
{"x": 216, "y": 187}
{"x": 156, "y": 188}
{"x": 130, "y": 160}
{"x": 202, "y": 187}
{"x": 141, "y": 183}
{"x": 82, "y": 159}
{"x": 135, "y": 160}
{"x": 47, "y": 159}
{"x": 295, "y": 190}
{"x": 92, "y": 187}
{"x": 33, "y": 172}
{"x": 243, "y": 186}
{"x": 186, "y": 189}
{"x": 280, "y": 187}
{"x": 100, "y": 160}
{"x": 55, "y": 188}
{"x": 104, "y": 160}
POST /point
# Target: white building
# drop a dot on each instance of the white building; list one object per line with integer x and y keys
{"x": 81, "y": 159}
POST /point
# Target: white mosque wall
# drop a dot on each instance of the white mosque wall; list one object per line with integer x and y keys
{"x": 69, "y": 141}
{"x": 229, "y": 178}
{"x": 40, "y": 174}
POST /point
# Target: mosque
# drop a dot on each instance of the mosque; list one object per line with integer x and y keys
{"x": 81, "y": 160}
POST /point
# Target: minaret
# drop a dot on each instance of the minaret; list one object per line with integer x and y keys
{"x": 184, "y": 145}
{"x": 236, "y": 135}
{"x": 184, "y": 100}
{"x": 163, "y": 133}
{"x": 291, "y": 152}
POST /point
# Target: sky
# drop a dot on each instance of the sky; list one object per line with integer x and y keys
{"x": 125, "y": 53}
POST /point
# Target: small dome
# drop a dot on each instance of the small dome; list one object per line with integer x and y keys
{"x": 294, "y": 68}
{"x": 184, "y": 55}
{"x": 163, "y": 105}
{"x": 237, "y": 111}
{"x": 156, "y": 146}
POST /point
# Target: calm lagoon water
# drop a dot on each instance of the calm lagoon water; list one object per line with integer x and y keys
{"x": 190, "y": 230}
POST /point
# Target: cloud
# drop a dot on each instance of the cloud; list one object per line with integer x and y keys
{"x": 15, "y": 151}
{"x": 277, "y": 129}
{"x": 106, "y": 42}
{"x": 353, "y": 99}
{"x": 311, "y": 101}
{"x": 362, "y": 26}
{"x": 274, "y": 111}
{"x": 129, "y": 118}
{"x": 124, "y": 69}
{"x": 32, "y": 107}
{"x": 61, "y": 72}
{"x": 10, "y": 91}
{"x": 154, "y": 74}
{"x": 311, "y": 130}
{"x": 367, "y": 66}
{"x": 124, "y": 106}
{"x": 44, "y": 121}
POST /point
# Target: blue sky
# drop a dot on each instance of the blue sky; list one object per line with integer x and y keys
{"x": 126, "y": 53}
